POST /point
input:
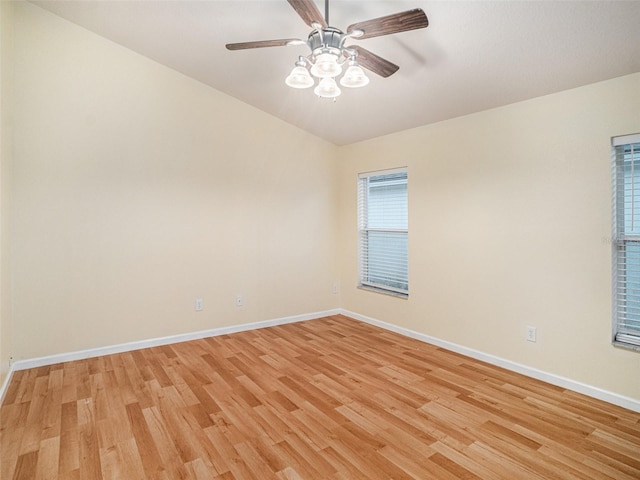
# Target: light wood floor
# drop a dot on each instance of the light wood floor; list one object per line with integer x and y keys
{"x": 325, "y": 399}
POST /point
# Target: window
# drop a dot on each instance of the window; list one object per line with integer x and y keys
{"x": 626, "y": 235}
{"x": 383, "y": 231}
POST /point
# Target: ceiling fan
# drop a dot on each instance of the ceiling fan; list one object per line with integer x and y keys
{"x": 328, "y": 50}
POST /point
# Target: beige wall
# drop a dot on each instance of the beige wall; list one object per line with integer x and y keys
{"x": 509, "y": 225}
{"x": 6, "y": 129}
{"x": 6, "y": 156}
{"x": 138, "y": 190}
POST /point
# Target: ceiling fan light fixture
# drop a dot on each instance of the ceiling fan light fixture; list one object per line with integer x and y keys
{"x": 327, "y": 88}
{"x": 354, "y": 77}
{"x": 326, "y": 65}
{"x": 299, "y": 78}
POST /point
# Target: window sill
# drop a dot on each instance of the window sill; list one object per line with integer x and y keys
{"x": 391, "y": 293}
{"x": 626, "y": 346}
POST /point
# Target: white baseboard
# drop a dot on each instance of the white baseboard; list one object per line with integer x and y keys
{"x": 595, "y": 392}
{"x": 153, "y": 342}
{"x": 557, "y": 380}
{"x": 5, "y": 384}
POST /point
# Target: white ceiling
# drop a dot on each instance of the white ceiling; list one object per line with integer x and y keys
{"x": 474, "y": 55}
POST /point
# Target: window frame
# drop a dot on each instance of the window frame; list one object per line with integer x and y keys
{"x": 621, "y": 334}
{"x": 364, "y": 229}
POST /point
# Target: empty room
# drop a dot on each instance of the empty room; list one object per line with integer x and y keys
{"x": 300, "y": 239}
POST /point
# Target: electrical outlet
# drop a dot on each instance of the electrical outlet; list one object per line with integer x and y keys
{"x": 335, "y": 289}
{"x": 531, "y": 333}
{"x": 239, "y": 300}
{"x": 199, "y": 305}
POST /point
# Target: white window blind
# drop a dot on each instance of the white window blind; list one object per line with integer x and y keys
{"x": 626, "y": 235}
{"x": 383, "y": 231}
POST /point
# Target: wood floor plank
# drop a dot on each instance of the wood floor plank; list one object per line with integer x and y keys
{"x": 90, "y": 460}
{"x": 145, "y": 443}
{"x": 328, "y": 399}
{"x": 26, "y": 466}
{"x": 48, "y": 454}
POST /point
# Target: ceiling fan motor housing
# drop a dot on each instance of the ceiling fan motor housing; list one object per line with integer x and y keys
{"x": 326, "y": 40}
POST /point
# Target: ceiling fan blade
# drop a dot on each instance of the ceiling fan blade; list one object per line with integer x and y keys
{"x": 309, "y": 12}
{"x": 373, "y": 62}
{"x": 265, "y": 43}
{"x": 398, "y": 22}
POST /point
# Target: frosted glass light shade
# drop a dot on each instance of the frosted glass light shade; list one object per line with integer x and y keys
{"x": 327, "y": 88}
{"x": 299, "y": 78}
{"x": 354, "y": 77}
{"x": 326, "y": 65}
